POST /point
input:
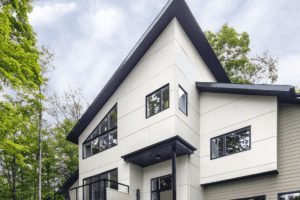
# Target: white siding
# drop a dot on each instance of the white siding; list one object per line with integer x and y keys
{"x": 288, "y": 178}
{"x": 222, "y": 113}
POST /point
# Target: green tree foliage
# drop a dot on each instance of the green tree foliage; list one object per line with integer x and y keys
{"x": 19, "y": 67}
{"x": 232, "y": 49}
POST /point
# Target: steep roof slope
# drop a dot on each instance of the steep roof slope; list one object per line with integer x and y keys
{"x": 174, "y": 8}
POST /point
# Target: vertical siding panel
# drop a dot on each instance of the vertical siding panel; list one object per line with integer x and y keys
{"x": 288, "y": 165}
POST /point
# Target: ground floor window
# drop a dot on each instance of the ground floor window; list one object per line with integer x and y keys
{"x": 95, "y": 186}
{"x": 161, "y": 188}
{"x": 289, "y": 196}
{"x": 263, "y": 197}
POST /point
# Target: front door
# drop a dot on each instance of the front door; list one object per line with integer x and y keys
{"x": 161, "y": 188}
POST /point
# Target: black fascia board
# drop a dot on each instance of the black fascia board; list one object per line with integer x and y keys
{"x": 68, "y": 183}
{"x": 174, "y": 9}
{"x": 285, "y": 93}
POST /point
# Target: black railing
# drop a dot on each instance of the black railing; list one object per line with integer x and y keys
{"x": 96, "y": 190}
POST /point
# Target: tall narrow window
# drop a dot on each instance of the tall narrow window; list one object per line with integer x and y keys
{"x": 104, "y": 136}
{"x": 182, "y": 100}
{"x": 230, "y": 143}
{"x": 161, "y": 188}
{"x": 157, "y": 101}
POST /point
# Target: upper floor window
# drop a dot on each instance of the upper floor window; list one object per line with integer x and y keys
{"x": 289, "y": 196}
{"x": 182, "y": 100}
{"x": 104, "y": 135}
{"x": 231, "y": 143}
{"x": 157, "y": 101}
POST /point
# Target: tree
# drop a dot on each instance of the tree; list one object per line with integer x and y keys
{"x": 19, "y": 67}
{"x": 232, "y": 49}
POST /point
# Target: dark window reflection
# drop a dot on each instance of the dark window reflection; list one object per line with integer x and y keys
{"x": 290, "y": 196}
{"x": 157, "y": 101}
{"x": 231, "y": 143}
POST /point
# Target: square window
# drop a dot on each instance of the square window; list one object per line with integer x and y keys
{"x": 182, "y": 100}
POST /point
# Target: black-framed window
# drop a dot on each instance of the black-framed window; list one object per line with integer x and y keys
{"x": 157, "y": 101}
{"x": 160, "y": 187}
{"x": 94, "y": 187}
{"x": 289, "y": 196}
{"x": 104, "y": 136}
{"x": 182, "y": 100}
{"x": 230, "y": 143}
{"x": 262, "y": 197}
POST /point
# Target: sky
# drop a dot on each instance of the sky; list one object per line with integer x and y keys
{"x": 91, "y": 38}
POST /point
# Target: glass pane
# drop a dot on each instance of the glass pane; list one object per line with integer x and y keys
{"x": 95, "y": 193}
{"x": 154, "y": 196}
{"x": 154, "y": 184}
{"x": 103, "y": 125}
{"x": 166, "y": 183}
{"x": 95, "y": 133}
{"x": 165, "y": 97}
{"x": 113, "y": 140}
{"x": 113, "y": 176}
{"x": 87, "y": 149}
{"x": 104, "y": 142}
{"x": 112, "y": 118}
{"x": 217, "y": 146}
{"x": 182, "y": 101}
{"x": 291, "y": 196}
{"x": 153, "y": 103}
{"x": 237, "y": 142}
{"x": 95, "y": 146}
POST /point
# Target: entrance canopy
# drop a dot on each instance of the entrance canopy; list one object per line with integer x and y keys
{"x": 160, "y": 152}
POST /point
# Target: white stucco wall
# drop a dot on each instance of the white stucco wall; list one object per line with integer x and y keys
{"x": 223, "y": 113}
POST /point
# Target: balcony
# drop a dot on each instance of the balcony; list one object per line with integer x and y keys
{"x": 99, "y": 190}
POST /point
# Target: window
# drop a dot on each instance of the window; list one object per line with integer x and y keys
{"x": 161, "y": 188}
{"x": 289, "y": 196}
{"x": 104, "y": 136}
{"x": 230, "y": 143}
{"x": 254, "y": 198}
{"x": 94, "y": 187}
{"x": 182, "y": 100}
{"x": 157, "y": 101}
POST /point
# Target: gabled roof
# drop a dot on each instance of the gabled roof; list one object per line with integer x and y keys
{"x": 174, "y": 8}
{"x": 285, "y": 93}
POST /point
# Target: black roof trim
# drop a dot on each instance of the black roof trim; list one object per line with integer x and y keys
{"x": 68, "y": 183}
{"x": 174, "y": 8}
{"x": 285, "y": 93}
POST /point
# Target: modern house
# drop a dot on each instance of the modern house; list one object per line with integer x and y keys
{"x": 170, "y": 125}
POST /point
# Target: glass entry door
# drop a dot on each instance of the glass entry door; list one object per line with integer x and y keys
{"x": 161, "y": 188}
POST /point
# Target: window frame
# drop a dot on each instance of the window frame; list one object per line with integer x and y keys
{"x": 285, "y": 193}
{"x": 158, "y": 190}
{"x": 247, "y": 128}
{"x": 102, "y": 173}
{"x": 109, "y": 130}
{"x": 264, "y": 197}
{"x": 160, "y": 105}
{"x": 186, "y": 106}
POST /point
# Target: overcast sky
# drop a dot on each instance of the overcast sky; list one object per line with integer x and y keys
{"x": 91, "y": 38}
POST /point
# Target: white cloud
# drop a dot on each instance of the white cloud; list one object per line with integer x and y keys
{"x": 101, "y": 22}
{"x": 289, "y": 70}
{"x": 48, "y": 13}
